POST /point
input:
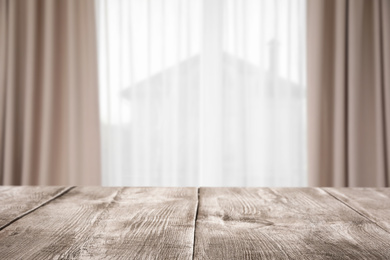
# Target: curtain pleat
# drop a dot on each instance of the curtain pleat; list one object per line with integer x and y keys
{"x": 49, "y": 104}
{"x": 348, "y": 92}
{"x": 3, "y": 65}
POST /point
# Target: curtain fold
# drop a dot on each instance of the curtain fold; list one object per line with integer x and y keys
{"x": 348, "y": 92}
{"x": 49, "y": 121}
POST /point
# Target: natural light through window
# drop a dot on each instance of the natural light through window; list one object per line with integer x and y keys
{"x": 202, "y": 92}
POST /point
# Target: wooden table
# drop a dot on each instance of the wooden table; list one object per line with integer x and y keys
{"x": 200, "y": 223}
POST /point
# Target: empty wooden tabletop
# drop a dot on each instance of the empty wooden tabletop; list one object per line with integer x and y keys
{"x": 194, "y": 223}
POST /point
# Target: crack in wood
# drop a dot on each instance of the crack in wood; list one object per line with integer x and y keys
{"x": 356, "y": 210}
{"x": 196, "y": 218}
{"x": 37, "y": 207}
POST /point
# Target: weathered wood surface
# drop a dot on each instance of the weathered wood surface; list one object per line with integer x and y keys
{"x": 106, "y": 223}
{"x": 372, "y": 203}
{"x": 159, "y": 223}
{"x": 16, "y": 201}
{"x": 284, "y": 223}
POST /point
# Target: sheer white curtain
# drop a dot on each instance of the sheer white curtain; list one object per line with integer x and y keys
{"x": 202, "y": 92}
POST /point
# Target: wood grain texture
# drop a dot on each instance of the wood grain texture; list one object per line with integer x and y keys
{"x": 107, "y": 223}
{"x": 159, "y": 223}
{"x": 372, "y": 203}
{"x": 283, "y": 223}
{"x": 15, "y": 201}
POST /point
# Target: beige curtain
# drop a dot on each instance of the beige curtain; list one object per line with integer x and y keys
{"x": 49, "y": 123}
{"x": 348, "y": 92}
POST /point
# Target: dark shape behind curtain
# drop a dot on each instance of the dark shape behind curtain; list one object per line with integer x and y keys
{"x": 49, "y": 122}
{"x": 348, "y": 92}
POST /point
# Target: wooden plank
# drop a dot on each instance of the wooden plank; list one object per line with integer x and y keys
{"x": 372, "y": 203}
{"x": 16, "y": 201}
{"x": 283, "y": 223}
{"x": 107, "y": 223}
